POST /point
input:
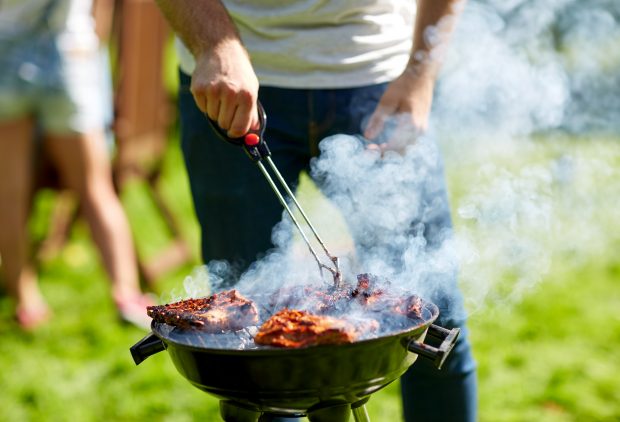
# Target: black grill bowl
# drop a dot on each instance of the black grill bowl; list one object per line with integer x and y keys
{"x": 295, "y": 381}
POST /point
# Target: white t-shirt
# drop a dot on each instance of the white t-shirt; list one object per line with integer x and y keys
{"x": 322, "y": 43}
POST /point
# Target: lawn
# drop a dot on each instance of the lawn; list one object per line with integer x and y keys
{"x": 550, "y": 354}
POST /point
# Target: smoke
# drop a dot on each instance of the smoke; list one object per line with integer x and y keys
{"x": 519, "y": 67}
{"x": 526, "y": 111}
{"x": 521, "y": 81}
{"x": 396, "y": 209}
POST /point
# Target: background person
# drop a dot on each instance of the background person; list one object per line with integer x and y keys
{"x": 319, "y": 68}
{"x": 50, "y": 89}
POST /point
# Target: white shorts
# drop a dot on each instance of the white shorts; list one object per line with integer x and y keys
{"x": 80, "y": 104}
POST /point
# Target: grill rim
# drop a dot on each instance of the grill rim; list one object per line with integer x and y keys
{"x": 157, "y": 327}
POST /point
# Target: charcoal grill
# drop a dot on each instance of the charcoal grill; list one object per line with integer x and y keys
{"x": 326, "y": 383}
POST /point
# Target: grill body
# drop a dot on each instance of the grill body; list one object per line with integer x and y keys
{"x": 323, "y": 382}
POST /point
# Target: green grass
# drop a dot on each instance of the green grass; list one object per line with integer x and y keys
{"x": 551, "y": 356}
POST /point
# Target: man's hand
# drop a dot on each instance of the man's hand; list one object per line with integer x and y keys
{"x": 225, "y": 87}
{"x": 224, "y": 84}
{"x": 402, "y": 112}
{"x": 404, "y": 107}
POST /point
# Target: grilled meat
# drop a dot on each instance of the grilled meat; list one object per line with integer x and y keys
{"x": 367, "y": 292}
{"x": 224, "y": 311}
{"x": 331, "y": 300}
{"x": 294, "y": 329}
{"x": 411, "y": 307}
{"x": 374, "y": 298}
{"x": 311, "y": 299}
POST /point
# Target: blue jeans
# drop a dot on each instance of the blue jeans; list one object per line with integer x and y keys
{"x": 237, "y": 211}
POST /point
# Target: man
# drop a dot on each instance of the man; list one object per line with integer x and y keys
{"x": 319, "y": 68}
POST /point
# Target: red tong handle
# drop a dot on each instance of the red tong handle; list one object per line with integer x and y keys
{"x": 252, "y": 142}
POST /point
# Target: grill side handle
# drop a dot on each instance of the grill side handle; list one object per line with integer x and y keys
{"x": 146, "y": 347}
{"x": 437, "y": 354}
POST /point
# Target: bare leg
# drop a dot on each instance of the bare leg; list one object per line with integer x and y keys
{"x": 16, "y": 154}
{"x": 84, "y": 166}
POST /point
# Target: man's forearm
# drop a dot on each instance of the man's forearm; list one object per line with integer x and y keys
{"x": 435, "y": 20}
{"x": 201, "y": 24}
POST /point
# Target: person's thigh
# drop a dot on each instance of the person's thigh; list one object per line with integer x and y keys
{"x": 16, "y": 157}
{"x": 235, "y": 206}
{"x": 16, "y": 150}
{"x": 83, "y": 163}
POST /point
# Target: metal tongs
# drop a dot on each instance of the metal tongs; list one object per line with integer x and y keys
{"x": 257, "y": 150}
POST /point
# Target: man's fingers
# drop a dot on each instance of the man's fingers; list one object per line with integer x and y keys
{"x": 375, "y": 124}
{"x": 227, "y": 110}
{"x": 201, "y": 102}
{"x": 376, "y": 148}
{"x": 241, "y": 121}
{"x": 234, "y": 111}
{"x": 377, "y": 120}
{"x": 254, "y": 120}
{"x": 213, "y": 108}
{"x": 245, "y": 116}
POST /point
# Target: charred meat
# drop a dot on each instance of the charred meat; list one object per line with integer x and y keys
{"x": 367, "y": 292}
{"x": 294, "y": 329}
{"x": 371, "y": 294}
{"x": 224, "y": 311}
{"x": 331, "y": 300}
{"x": 411, "y": 307}
{"x": 311, "y": 299}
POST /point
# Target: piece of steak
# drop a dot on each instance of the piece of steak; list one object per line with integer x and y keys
{"x": 293, "y": 329}
{"x": 224, "y": 311}
{"x": 411, "y": 307}
{"x": 367, "y": 291}
{"x": 331, "y": 300}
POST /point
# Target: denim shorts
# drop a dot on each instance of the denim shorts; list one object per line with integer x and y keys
{"x": 62, "y": 90}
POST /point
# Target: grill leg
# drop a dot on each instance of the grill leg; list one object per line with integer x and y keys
{"x": 338, "y": 413}
{"x": 232, "y": 412}
{"x": 360, "y": 414}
